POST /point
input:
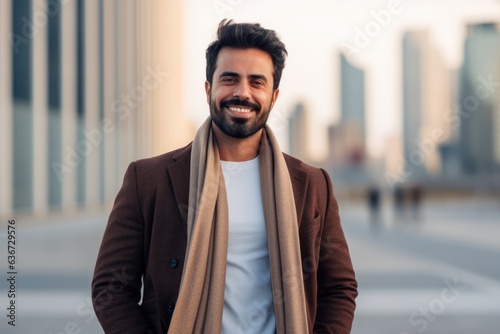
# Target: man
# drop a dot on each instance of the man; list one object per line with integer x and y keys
{"x": 227, "y": 234}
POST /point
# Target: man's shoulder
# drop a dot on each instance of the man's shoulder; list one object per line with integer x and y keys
{"x": 308, "y": 181}
{"x": 298, "y": 166}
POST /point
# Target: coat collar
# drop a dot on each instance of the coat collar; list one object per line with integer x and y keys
{"x": 179, "y": 175}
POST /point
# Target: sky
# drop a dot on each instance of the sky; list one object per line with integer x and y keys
{"x": 314, "y": 32}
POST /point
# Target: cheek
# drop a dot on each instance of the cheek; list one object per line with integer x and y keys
{"x": 218, "y": 95}
{"x": 265, "y": 99}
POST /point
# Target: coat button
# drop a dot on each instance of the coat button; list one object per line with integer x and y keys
{"x": 170, "y": 307}
{"x": 173, "y": 263}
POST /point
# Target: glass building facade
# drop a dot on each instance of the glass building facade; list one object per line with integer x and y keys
{"x": 86, "y": 87}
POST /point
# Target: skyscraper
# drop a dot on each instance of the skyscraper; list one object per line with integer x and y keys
{"x": 352, "y": 97}
{"x": 347, "y": 138}
{"x": 479, "y": 100}
{"x": 297, "y": 132}
{"x": 426, "y": 100}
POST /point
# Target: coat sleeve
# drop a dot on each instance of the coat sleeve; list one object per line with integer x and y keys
{"x": 116, "y": 285}
{"x": 337, "y": 286}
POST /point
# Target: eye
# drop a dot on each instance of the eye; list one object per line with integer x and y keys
{"x": 258, "y": 83}
{"x": 228, "y": 80}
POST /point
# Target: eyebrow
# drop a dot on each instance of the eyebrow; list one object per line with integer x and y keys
{"x": 234, "y": 74}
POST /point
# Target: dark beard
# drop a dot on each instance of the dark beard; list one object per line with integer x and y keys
{"x": 238, "y": 127}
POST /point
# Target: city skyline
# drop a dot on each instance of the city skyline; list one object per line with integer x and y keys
{"x": 313, "y": 44}
{"x": 58, "y": 120}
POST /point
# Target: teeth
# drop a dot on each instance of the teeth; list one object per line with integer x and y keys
{"x": 236, "y": 109}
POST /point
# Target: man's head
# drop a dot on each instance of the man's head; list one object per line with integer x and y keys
{"x": 247, "y": 36}
{"x": 244, "y": 68}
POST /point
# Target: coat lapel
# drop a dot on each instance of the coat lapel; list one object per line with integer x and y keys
{"x": 178, "y": 172}
{"x": 298, "y": 177}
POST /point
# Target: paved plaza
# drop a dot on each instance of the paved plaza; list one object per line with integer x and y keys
{"x": 439, "y": 273}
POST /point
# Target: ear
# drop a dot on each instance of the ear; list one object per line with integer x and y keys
{"x": 275, "y": 97}
{"x": 207, "y": 91}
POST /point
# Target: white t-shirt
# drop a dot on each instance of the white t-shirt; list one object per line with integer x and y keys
{"x": 248, "y": 305}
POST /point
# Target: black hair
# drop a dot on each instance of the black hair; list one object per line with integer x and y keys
{"x": 246, "y": 36}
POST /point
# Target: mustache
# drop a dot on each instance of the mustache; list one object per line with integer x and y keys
{"x": 239, "y": 102}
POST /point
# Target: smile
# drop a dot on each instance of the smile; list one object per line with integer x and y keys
{"x": 239, "y": 109}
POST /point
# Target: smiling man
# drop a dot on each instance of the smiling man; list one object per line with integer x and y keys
{"x": 228, "y": 234}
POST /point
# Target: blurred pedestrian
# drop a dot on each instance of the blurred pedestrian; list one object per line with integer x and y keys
{"x": 399, "y": 203}
{"x": 416, "y": 194}
{"x": 373, "y": 196}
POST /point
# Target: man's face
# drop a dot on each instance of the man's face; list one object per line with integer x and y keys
{"x": 241, "y": 95}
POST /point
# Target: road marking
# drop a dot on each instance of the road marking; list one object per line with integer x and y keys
{"x": 378, "y": 302}
{"x": 385, "y": 302}
{"x": 52, "y": 303}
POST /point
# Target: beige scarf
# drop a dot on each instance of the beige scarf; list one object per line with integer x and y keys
{"x": 201, "y": 297}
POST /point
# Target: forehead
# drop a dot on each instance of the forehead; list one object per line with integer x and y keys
{"x": 244, "y": 61}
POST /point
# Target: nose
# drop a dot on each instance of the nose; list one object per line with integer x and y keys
{"x": 242, "y": 90}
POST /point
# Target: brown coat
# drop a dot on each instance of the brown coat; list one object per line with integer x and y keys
{"x": 145, "y": 239}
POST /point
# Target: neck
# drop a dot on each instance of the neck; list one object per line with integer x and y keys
{"x": 237, "y": 149}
